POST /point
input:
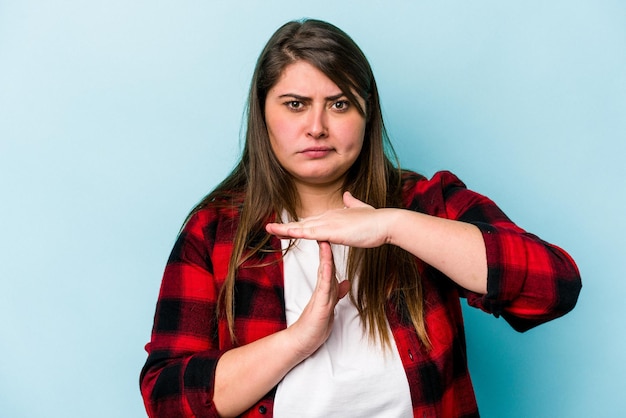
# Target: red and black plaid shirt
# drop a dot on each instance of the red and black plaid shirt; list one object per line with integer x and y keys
{"x": 529, "y": 282}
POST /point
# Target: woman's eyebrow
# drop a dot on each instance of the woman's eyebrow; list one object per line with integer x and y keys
{"x": 294, "y": 96}
{"x": 304, "y": 98}
{"x": 335, "y": 97}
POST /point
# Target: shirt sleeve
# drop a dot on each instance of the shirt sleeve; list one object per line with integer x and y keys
{"x": 529, "y": 281}
{"x": 178, "y": 377}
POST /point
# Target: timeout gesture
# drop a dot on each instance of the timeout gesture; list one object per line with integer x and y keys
{"x": 356, "y": 225}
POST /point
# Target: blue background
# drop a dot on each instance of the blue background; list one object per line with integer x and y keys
{"x": 116, "y": 117}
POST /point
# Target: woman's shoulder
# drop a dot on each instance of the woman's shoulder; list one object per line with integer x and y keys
{"x": 213, "y": 210}
{"x": 418, "y": 183}
{"x": 429, "y": 195}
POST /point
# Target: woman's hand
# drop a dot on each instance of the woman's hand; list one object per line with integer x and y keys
{"x": 357, "y": 225}
{"x": 455, "y": 248}
{"x": 313, "y": 327}
{"x": 240, "y": 382}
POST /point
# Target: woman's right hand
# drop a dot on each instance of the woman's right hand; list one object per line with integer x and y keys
{"x": 313, "y": 327}
{"x": 240, "y": 382}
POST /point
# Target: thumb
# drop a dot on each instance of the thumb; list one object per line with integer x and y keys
{"x": 350, "y": 201}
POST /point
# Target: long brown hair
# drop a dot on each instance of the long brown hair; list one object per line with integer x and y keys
{"x": 261, "y": 189}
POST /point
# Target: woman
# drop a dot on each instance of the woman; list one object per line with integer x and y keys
{"x": 319, "y": 278}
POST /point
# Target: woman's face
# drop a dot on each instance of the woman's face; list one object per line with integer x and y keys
{"x": 314, "y": 131}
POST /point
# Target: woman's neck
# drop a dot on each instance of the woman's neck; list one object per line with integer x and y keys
{"x": 317, "y": 200}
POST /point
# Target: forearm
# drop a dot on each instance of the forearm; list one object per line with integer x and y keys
{"x": 245, "y": 374}
{"x": 455, "y": 248}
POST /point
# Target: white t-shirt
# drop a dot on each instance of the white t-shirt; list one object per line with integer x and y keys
{"x": 348, "y": 376}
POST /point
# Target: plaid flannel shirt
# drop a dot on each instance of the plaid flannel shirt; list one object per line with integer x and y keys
{"x": 529, "y": 282}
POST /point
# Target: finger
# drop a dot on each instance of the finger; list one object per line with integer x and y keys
{"x": 314, "y": 230}
{"x": 284, "y": 231}
{"x": 326, "y": 272}
{"x": 326, "y": 260}
{"x": 350, "y": 201}
{"x": 327, "y": 264}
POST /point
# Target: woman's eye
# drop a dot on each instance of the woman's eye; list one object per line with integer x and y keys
{"x": 342, "y": 105}
{"x": 294, "y": 105}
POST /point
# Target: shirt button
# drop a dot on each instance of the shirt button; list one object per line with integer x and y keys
{"x": 410, "y": 355}
{"x": 262, "y": 410}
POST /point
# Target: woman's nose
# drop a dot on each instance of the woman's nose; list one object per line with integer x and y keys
{"x": 318, "y": 128}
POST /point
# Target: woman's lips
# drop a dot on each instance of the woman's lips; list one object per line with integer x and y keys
{"x": 316, "y": 152}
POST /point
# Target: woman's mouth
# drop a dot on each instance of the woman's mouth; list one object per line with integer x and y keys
{"x": 316, "y": 152}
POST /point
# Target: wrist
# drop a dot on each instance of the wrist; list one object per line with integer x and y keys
{"x": 391, "y": 221}
{"x": 296, "y": 350}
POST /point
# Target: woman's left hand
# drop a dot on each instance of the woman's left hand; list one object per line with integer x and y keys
{"x": 455, "y": 248}
{"x": 357, "y": 225}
